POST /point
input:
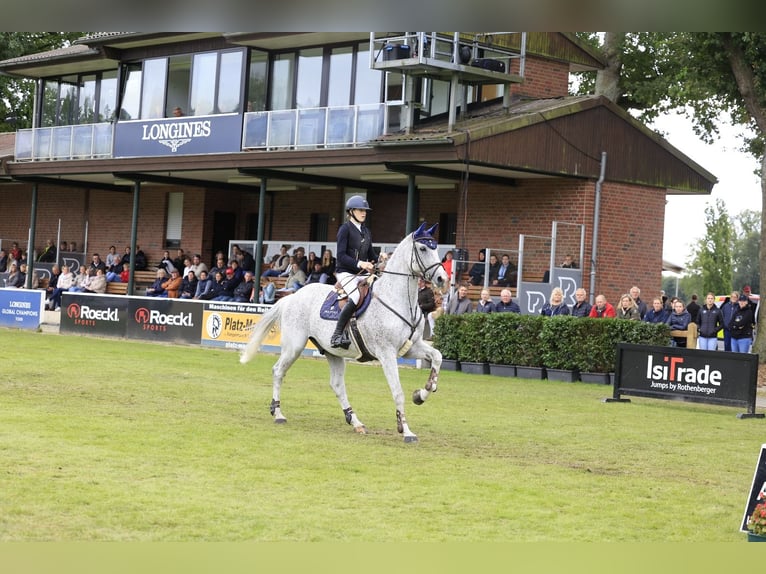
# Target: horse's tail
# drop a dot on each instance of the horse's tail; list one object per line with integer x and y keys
{"x": 260, "y": 330}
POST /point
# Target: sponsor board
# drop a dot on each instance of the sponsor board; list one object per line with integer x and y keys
{"x": 757, "y": 488}
{"x": 687, "y": 374}
{"x": 93, "y": 314}
{"x": 161, "y": 319}
{"x": 21, "y": 308}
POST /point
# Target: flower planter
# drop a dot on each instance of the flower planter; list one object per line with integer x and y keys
{"x": 474, "y": 368}
{"x": 502, "y": 370}
{"x": 450, "y": 365}
{"x": 596, "y": 378}
{"x": 536, "y": 373}
{"x": 752, "y": 537}
{"x": 565, "y": 375}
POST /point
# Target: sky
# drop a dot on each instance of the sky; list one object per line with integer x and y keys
{"x": 737, "y": 185}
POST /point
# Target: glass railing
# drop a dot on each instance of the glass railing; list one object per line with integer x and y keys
{"x": 85, "y": 141}
{"x": 345, "y": 126}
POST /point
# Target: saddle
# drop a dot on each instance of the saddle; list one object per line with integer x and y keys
{"x": 338, "y": 298}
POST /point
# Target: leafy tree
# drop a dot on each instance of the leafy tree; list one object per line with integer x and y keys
{"x": 17, "y": 94}
{"x": 747, "y": 242}
{"x": 712, "y": 256}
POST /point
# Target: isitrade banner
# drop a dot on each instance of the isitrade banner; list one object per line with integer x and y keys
{"x": 21, "y": 308}
{"x": 676, "y": 373}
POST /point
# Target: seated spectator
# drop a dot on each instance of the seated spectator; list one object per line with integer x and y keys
{"x": 114, "y": 273}
{"x": 447, "y": 263}
{"x": 48, "y": 254}
{"x": 556, "y": 306}
{"x": 4, "y": 260}
{"x": 15, "y": 277}
{"x": 506, "y": 273}
{"x": 658, "y": 313}
{"x": 166, "y": 263}
{"x": 628, "y": 309}
{"x": 581, "y": 308}
{"x": 268, "y": 292}
{"x": 679, "y": 321}
{"x": 244, "y": 292}
{"x": 187, "y": 266}
{"x": 204, "y": 284}
{"x": 328, "y": 267}
{"x": 239, "y": 273}
{"x": 216, "y": 287}
{"x": 569, "y": 262}
{"x": 219, "y": 265}
{"x": 97, "y": 283}
{"x": 278, "y": 264}
{"x": 178, "y": 261}
{"x": 485, "y": 304}
{"x": 125, "y": 273}
{"x": 494, "y": 266}
{"x": 477, "y": 269}
{"x": 172, "y": 285}
{"x": 244, "y": 258}
{"x": 602, "y": 308}
{"x": 197, "y": 265}
{"x": 156, "y": 289}
{"x": 96, "y": 264}
{"x": 141, "y": 262}
{"x": 459, "y": 302}
{"x": 295, "y": 279}
{"x": 436, "y": 313}
{"x": 228, "y": 285}
{"x": 300, "y": 257}
{"x": 65, "y": 281}
{"x": 111, "y": 257}
{"x": 52, "y": 284}
{"x": 506, "y": 303}
{"x": 15, "y": 253}
{"x": 316, "y": 275}
{"x": 81, "y": 281}
{"x": 34, "y": 279}
{"x": 189, "y": 286}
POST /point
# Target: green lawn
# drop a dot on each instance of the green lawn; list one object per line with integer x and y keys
{"x": 119, "y": 440}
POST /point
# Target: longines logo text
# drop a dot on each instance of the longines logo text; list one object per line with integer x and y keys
{"x": 176, "y": 134}
{"x": 84, "y": 315}
{"x": 153, "y": 320}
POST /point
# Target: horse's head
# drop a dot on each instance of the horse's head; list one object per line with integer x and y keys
{"x": 426, "y": 261}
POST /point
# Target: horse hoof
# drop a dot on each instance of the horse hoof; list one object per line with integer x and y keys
{"x": 416, "y": 398}
{"x": 411, "y": 438}
{"x": 360, "y": 430}
{"x": 280, "y": 421}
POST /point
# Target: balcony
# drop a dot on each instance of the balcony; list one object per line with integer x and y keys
{"x": 85, "y": 141}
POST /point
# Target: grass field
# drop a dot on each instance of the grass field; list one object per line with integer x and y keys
{"x": 125, "y": 441}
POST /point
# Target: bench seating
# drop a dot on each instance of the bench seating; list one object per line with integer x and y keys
{"x": 116, "y": 288}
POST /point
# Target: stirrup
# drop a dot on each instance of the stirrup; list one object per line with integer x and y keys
{"x": 341, "y": 341}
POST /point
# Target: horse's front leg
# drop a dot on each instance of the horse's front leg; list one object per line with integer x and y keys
{"x": 421, "y": 350}
{"x": 391, "y": 371}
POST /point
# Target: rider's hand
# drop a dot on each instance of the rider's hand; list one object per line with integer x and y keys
{"x": 367, "y": 266}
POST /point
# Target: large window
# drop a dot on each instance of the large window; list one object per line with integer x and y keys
{"x": 341, "y": 72}
{"x": 78, "y": 99}
{"x": 282, "y": 81}
{"x": 131, "y": 99}
{"x": 230, "y": 82}
{"x": 179, "y": 74}
{"x": 257, "y": 81}
{"x": 153, "y": 90}
{"x": 368, "y": 84}
{"x": 203, "y": 84}
{"x": 309, "y": 87}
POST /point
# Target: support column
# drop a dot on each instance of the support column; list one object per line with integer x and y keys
{"x": 412, "y": 205}
{"x": 133, "y": 234}
{"x": 31, "y": 240}
{"x": 259, "y": 235}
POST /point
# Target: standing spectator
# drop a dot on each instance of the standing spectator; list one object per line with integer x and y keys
{"x": 476, "y": 272}
{"x": 556, "y": 305}
{"x": 460, "y": 303}
{"x": 426, "y": 299}
{"x": 64, "y": 283}
{"x": 628, "y": 309}
{"x": 728, "y": 308}
{"x": 693, "y": 308}
{"x": 581, "y": 308}
{"x": 709, "y": 320}
{"x": 658, "y": 313}
{"x": 746, "y": 294}
{"x": 741, "y": 327}
{"x": 679, "y": 321}
{"x": 485, "y": 304}
{"x": 602, "y": 308}
{"x": 49, "y": 253}
{"x": 506, "y": 303}
{"x": 635, "y": 293}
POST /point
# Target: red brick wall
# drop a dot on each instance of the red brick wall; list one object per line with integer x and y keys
{"x": 542, "y": 78}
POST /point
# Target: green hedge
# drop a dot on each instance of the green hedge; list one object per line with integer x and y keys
{"x": 584, "y": 344}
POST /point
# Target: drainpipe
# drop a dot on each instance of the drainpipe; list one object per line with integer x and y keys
{"x": 596, "y": 216}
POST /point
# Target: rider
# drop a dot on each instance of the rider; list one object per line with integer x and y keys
{"x": 355, "y": 255}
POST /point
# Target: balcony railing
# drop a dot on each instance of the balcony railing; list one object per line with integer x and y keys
{"x": 346, "y": 126}
{"x": 85, "y": 141}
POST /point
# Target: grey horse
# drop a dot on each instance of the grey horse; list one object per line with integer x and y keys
{"x": 390, "y": 327}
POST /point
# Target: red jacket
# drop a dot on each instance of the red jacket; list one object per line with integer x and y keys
{"x": 608, "y": 311}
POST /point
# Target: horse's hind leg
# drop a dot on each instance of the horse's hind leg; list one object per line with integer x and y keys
{"x": 338, "y": 384}
{"x": 286, "y": 358}
{"x": 391, "y": 370}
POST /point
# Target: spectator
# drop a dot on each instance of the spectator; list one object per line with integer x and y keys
{"x": 447, "y": 263}
{"x": 81, "y": 280}
{"x": 15, "y": 253}
{"x": 459, "y": 302}
{"x": 438, "y": 311}
{"x": 476, "y": 272}
{"x": 49, "y": 253}
{"x": 279, "y": 263}
{"x": 172, "y": 285}
{"x": 602, "y": 308}
{"x": 219, "y": 265}
{"x": 506, "y": 272}
{"x": 96, "y": 264}
{"x": 166, "y": 263}
{"x": 556, "y": 306}
{"x": 310, "y": 260}
{"x": 316, "y": 275}
{"x": 178, "y": 261}
{"x": 245, "y": 259}
{"x": 156, "y": 289}
{"x": 245, "y": 290}
{"x": 658, "y": 313}
{"x": 125, "y": 273}
{"x": 52, "y": 284}
{"x": 506, "y": 303}
{"x": 679, "y": 321}
{"x": 141, "y": 262}
{"x": 34, "y": 279}
{"x": 3, "y": 261}
{"x": 635, "y": 293}
{"x": 300, "y": 258}
{"x": 96, "y": 283}
{"x": 709, "y": 320}
{"x": 72, "y": 247}
{"x": 728, "y": 308}
{"x": 295, "y": 279}
{"x": 114, "y": 273}
{"x": 426, "y": 299}
{"x": 693, "y": 308}
{"x": 216, "y": 287}
{"x": 746, "y": 294}
{"x": 198, "y": 266}
{"x": 62, "y": 247}
{"x": 741, "y": 326}
{"x": 15, "y": 277}
{"x": 204, "y": 285}
{"x": 268, "y": 292}
{"x": 188, "y": 286}
{"x": 485, "y": 303}
{"x": 628, "y": 309}
{"x": 328, "y": 267}
{"x": 581, "y": 308}
{"x": 569, "y": 262}
{"x": 112, "y": 256}
{"x": 65, "y": 281}
{"x": 494, "y": 266}
{"x": 228, "y": 285}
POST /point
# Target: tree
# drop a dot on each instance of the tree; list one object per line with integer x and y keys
{"x": 17, "y": 94}
{"x": 705, "y": 76}
{"x": 712, "y": 256}
{"x": 747, "y": 242}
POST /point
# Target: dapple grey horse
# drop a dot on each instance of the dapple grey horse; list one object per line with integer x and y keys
{"x": 390, "y": 327}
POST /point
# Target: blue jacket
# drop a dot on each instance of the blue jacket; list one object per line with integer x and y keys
{"x": 549, "y": 310}
{"x": 727, "y": 310}
{"x": 488, "y": 308}
{"x": 353, "y": 246}
{"x": 710, "y": 321}
{"x": 661, "y": 316}
{"x": 581, "y": 311}
{"x": 679, "y": 321}
{"x": 511, "y": 307}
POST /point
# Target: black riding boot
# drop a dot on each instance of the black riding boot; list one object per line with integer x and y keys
{"x": 339, "y": 337}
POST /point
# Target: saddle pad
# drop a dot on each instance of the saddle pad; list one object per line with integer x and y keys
{"x": 330, "y": 309}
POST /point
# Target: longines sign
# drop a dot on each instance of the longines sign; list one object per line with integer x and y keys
{"x": 687, "y": 374}
{"x": 178, "y": 136}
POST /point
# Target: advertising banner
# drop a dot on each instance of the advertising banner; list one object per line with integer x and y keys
{"x": 21, "y": 308}
{"x": 757, "y": 488}
{"x": 228, "y": 325}
{"x": 166, "y": 320}
{"x": 85, "y": 314}
{"x": 687, "y": 374}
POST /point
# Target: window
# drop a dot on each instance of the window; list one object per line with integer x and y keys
{"x": 174, "y": 220}
{"x": 341, "y": 67}
{"x": 131, "y": 99}
{"x": 203, "y": 83}
{"x": 179, "y": 74}
{"x": 230, "y": 83}
{"x": 153, "y": 89}
{"x": 309, "y": 85}
{"x": 107, "y": 96}
{"x": 257, "y": 81}
{"x": 282, "y": 82}
{"x": 86, "y": 113}
{"x": 368, "y": 82}
{"x": 83, "y": 99}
